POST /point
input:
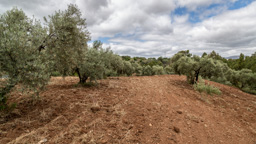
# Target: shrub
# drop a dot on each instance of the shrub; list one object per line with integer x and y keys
{"x": 147, "y": 70}
{"x": 222, "y": 80}
{"x": 169, "y": 70}
{"x": 128, "y": 69}
{"x": 109, "y": 73}
{"x": 55, "y": 73}
{"x": 137, "y": 68}
{"x": 157, "y": 70}
{"x": 206, "y": 88}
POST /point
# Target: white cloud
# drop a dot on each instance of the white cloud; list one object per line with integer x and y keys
{"x": 150, "y": 28}
{"x": 235, "y": 29}
{"x": 229, "y": 33}
{"x": 128, "y": 17}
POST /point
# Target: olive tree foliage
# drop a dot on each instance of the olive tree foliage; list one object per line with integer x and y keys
{"x": 92, "y": 66}
{"x": 128, "y": 68}
{"x": 169, "y": 70}
{"x": 138, "y": 69}
{"x": 244, "y": 79}
{"x": 114, "y": 64}
{"x": 158, "y": 70}
{"x": 97, "y": 63}
{"x": 185, "y": 65}
{"x": 20, "y": 61}
{"x": 147, "y": 70}
{"x": 66, "y": 43}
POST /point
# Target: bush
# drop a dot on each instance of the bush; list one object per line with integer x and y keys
{"x": 147, "y": 70}
{"x": 157, "y": 70}
{"x": 222, "y": 80}
{"x": 206, "y": 88}
{"x": 55, "y": 73}
{"x": 128, "y": 69}
{"x": 110, "y": 73}
{"x": 169, "y": 70}
{"x": 137, "y": 68}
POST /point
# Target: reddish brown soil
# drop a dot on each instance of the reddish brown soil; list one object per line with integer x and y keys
{"x": 144, "y": 110}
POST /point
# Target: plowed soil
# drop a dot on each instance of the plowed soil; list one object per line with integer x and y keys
{"x": 141, "y": 110}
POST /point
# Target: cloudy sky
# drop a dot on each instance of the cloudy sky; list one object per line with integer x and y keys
{"x": 153, "y": 28}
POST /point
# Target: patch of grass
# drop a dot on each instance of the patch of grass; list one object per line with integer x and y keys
{"x": 249, "y": 90}
{"x": 88, "y": 84}
{"x": 55, "y": 73}
{"x": 202, "y": 87}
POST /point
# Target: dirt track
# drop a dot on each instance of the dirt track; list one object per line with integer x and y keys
{"x": 145, "y": 110}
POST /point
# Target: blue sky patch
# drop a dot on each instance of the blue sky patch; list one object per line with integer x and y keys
{"x": 239, "y": 4}
{"x": 202, "y": 12}
{"x": 104, "y": 39}
{"x": 180, "y": 11}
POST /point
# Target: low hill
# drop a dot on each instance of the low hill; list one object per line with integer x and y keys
{"x": 155, "y": 109}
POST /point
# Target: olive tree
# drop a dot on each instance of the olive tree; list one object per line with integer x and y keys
{"x": 128, "y": 69}
{"x": 99, "y": 62}
{"x": 20, "y": 60}
{"x": 138, "y": 69}
{"x": 66, "y": 43}
{"x": 195, "y": 66}
{"x": 168, "y": 69}
{"x": 117, "y": 64}
{"x": 92, "y": 66}
{"x": 147, "y": 70}
{"x": 157, "y": 70}
{"x": 246, "y": 78}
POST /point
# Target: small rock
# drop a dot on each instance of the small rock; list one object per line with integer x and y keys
{"x": 176, "y": 129}
{"x": 179, "y": 111}
{"x": 42, "y": 141}
{"x": 150, "y": 125}
{"x": 16, "y": 112}
{"x": 104, "y": 141}
{"x": 2, "y": 120}
{"x": 95, "y": 108}
{"x": 196, "y": 120}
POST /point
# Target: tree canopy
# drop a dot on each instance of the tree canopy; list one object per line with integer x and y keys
{"x": 20, "y": 60}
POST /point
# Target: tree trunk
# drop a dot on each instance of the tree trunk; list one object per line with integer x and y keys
{"x": 197, "y": 74}
{"x": 82, "y": 78}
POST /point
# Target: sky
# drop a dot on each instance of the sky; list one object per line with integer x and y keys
{"x": 154, "y": 28}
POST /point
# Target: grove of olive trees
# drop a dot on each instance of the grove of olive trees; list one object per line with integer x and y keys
{"x": 184, "y": 63}
{"x": 31, "y": 53}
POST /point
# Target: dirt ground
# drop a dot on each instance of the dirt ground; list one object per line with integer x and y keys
{"x": 141, "y": 110}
